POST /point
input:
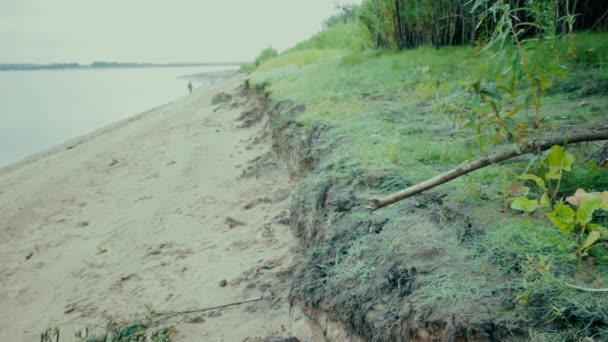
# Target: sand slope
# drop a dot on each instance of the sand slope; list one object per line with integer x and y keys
{"x": 141, "y": 214}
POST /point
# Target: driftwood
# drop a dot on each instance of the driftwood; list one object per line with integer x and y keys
{"x": 376, "y": 204}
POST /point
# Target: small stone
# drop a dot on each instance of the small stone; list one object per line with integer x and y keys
{"x": 223, "y": 283}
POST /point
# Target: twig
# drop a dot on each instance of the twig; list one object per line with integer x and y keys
{"x": 173, "y": 314}
{"x": 481, "y": 163}
{"x": 585, "y": 288}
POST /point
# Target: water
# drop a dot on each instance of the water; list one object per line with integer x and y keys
{"x": 41, "y": 109}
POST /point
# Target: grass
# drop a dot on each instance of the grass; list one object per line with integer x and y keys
{"x": 510, "y": 245}
{"x": 450, "y": 288}
{"x": 386, "y": 105}
{"x": 364, "y": 102}
{"x": 387, "y": 126}
{"x": 540, "y": 261}
{"x": 139, "y": 328}
{"x": 344, "y": 36}
{"x": 296, "y": 59}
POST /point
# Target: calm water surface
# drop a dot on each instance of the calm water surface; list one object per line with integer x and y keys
{"x": 41, "y": 109}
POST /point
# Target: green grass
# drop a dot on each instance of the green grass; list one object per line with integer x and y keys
{"x": 296, "y": 59}
{"x": 377, "y": 120}
{"x": 450, "y": 288}
{"x": 386, "y": 105}
{"x": 388, "y": 128}
{"x": 350, "y": 36}
{"x": 539, "y": 261}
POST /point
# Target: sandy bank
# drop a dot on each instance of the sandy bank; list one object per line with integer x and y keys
{"x": 152, "y": 211}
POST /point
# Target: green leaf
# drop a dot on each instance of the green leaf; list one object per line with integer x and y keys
{"x": 557, "y": 71}
{"x": 584, "y": 213}
{"x": 599, "y": 253}
{"x": 528, "y": 101}
{"x": 516, "y": 63}
{"x": 524, "y": 204}
{"x": 545, "y": 201}
{"x": 557, "y": 161}
{"x": 591, "y": 239}
{"x": 539, "y": 181}
{"x": 597, "y": 228}
{"x": 490, "y": 90}
{"x": 563, "y": 218}
{"x": 514, "y": 111}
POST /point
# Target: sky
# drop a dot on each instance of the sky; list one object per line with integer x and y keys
{"x": 44, "y": 31}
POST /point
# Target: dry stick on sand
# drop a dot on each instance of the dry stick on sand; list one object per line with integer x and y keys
{"x": 173, "y": 314}
{"x": 376, "y": 204}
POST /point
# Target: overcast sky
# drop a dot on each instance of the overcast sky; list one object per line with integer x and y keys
{"x": 45, "y": 31}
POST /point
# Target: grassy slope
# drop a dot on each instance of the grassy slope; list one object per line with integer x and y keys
{"x": 386, "y": 132}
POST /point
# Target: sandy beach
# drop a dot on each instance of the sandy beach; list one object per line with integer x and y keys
{"x": 152, "y": 212}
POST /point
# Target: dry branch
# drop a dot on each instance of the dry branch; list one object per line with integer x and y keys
{"x": 173, "y": 314}
{"x": 481, "y": 163}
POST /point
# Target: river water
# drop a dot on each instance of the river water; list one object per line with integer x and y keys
{"x": 41, "y": 109}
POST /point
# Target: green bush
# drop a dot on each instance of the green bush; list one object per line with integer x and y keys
{"x": 350, "y": 36}
{"x": 265, "y": 55}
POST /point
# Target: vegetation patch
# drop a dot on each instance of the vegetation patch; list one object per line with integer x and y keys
{"x": 459, "y": 260}
{"x": 145, "y": 329}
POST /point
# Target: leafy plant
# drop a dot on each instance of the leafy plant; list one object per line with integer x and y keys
{"x": 140, "y": 329}
{"x": 265, "y": 55}
{"x": 589, "y": 236}
{"x": 553, "y": 166}
{"x": 510, "y": 85}
{"x": 429, "y": 87}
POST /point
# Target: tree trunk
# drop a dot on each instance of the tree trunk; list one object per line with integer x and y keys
{"x": 473, "y": 26}
{"x": 399, "y": 26}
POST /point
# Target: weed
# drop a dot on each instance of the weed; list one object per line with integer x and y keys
{"x": 137, "y": 329}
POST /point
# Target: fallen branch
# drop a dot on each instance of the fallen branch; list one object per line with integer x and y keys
{"x": 173, "y": 314}
{"x": 376, "y": 204}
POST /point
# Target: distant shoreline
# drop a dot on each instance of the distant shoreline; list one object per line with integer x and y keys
{"x": 211, "y": 75}
{"x": 107, "y": 65}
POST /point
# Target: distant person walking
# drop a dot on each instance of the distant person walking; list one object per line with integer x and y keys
{"x": 190, "y": 86}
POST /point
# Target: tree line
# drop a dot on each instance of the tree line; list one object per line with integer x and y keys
{"x": 402, "y": 24}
